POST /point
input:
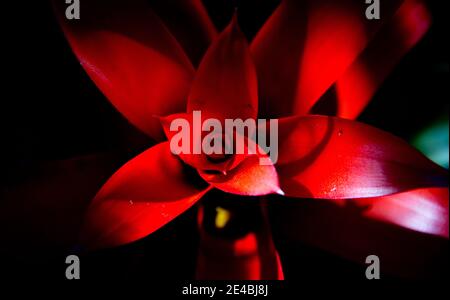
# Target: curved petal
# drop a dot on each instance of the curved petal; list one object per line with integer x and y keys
{"x": 146, "y": 193}
{"x": 407, "y": 231}
{"x": 189, "y": 23}
{"x": 305, "y": 46}
{"x": 360, "y": 81}
{"x": 132, "y": 58}
{"x": 253, "y": 176}
{"x": 225, "y": 86}
{"x": 424, "y": 210}
{"x": 330, "y": 158}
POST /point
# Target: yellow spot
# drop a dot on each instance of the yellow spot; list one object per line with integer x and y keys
{"x": 222, "y": 217}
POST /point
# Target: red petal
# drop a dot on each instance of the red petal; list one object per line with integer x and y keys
{"x": 357, "y": 86}
{"x": 146, "y": 193}
{"x": 225, "y": 85}
{"x": 407, "y": 231}
{"x": 327, "y": 157}
{"x": 423, "y": 210}
{"x": 189, "y": 22}
{"x": 249, "y": 178}
{"x": 306, "y": 46}
{"x": 132, "y": 58}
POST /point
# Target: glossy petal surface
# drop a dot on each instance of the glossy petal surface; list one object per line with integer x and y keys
{"x": 306, "y": 46}
{"x": 142, "y": 196}
{"x": 225, "y": 84}
{"x": 358, "y": 84}
{"x": 327, "y": 157}
{"x": 132, "y": 57}
{"x": 407, "y": 231}
{"x": 424, "y": 210}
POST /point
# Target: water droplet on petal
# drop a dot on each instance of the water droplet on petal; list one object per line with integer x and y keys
{"x": 340, "y": 132}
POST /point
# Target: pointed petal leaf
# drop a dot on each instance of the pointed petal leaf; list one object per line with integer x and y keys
{"x": 132, "y": 58}
{"x": 407, "y": 231}
{"x": 146, "y": 193}
{"x": 360, "y": 81}
{"x": 225, "y": 85}
{"x": 424, "y": 210}
{"x": 305, "y": 46}
{"x": 328, "y": 157}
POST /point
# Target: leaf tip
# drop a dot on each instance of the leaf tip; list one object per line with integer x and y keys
{"x": 279, "y": 191}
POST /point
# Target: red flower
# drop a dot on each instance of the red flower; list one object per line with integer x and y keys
{"x": 145, "y": 64}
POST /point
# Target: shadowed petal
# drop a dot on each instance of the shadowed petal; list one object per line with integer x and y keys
{"x": 240, "y": 247}
{"x": 142, "y": 196}
{"x": 132, "y": 58}
{"x": 306, "y": 46}
{"x": 360, "y": 81}
{"x": 328, "y": 157}
{"x": 407, "y": 231}
{"x": 242, "y": 259}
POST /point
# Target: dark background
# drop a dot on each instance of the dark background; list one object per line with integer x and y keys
{"x": 60, "y": 137}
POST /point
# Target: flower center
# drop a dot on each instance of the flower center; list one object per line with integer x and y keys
{"x": 224, "y": 151}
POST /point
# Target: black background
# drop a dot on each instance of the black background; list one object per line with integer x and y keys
{"x": 51, "y": 113}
